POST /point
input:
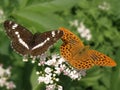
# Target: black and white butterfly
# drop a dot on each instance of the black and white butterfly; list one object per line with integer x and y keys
{"x": 26, "y": 43}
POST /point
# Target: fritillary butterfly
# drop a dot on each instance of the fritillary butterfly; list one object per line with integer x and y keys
{"x": 80, "y": 56}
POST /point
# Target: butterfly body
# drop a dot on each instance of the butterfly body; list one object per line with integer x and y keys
{"x": 80, "y": 56}
{"x": 26, "y": 43}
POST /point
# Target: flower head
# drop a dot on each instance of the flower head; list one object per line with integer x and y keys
{"x": 82, "y": 30}
{"x": 104, "y": 6}
{"x": 5, "y": 75}
{"x": 53, "y": 68}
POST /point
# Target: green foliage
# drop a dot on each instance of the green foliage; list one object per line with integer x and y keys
{"x": 45, "y": 15}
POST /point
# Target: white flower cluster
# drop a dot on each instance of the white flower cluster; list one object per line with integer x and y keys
{"x": 53, "y": 68}
{"x": 53, "y": 87}
{"x": 4, "y": 77}
{"x": 104, "y": 6}
{"x": 84, "y": 32}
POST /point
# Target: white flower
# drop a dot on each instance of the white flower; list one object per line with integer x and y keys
{"x": 61, "y": 60}
{"x": 2, "y": 70}
{"x": 50, "y": 87}
{"x": 1, "y": 12}
{"x": 74, "y": 75}
{"x": 57, "y": 70}
{"x": 51, "y": 62}
{"x": 83, "y": 35}
{"x": 104, "y": 6}
{"x": 41, "y": 79}
{"x": 37, "y": 72}
{"x": 57, "y": 79}
{"x": 74, "y": 23}
{"x": 88, "y": 37}
{"x": 7, "y": 71}
{"x": 81, "y": 28}
{"x": 66, "y": 71}
{"x": 2, "y": 81}
{"x": 4, "y": 77}
{"x": 87, "y": 31}
{"x": 48, "y": 70}
{"x": 84, "y": 32}
{"x": 25, "y": 59}
{"x": 43, "y": 56}
{"x": 42, "y": 62}
{"x": 47, "y": 79}
{"x": 57, "y": 66}
{"x": 60, "y": 87}
{"x": 10, "y": 85}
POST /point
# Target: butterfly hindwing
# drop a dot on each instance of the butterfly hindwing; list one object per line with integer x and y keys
{"x": 43, "y": 41}
{"x": 75, "y": 58}
{"x": 19, "y": 48}
{"x": 101, "y": 59}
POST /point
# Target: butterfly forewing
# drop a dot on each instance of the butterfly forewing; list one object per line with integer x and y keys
{"x": 69, "y": 37}
{"x": 43, "y": 41}
{"x": 20, "y": 36}
{"x": 14, "y": 30}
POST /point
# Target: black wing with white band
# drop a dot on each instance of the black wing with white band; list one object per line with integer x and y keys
{"x": 25, "y": 43}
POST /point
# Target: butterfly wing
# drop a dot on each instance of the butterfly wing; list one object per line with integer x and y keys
{"x": 69, "y": 37}
{"x": 19, "y": 35}
{"x": 76, "y": 56}
{"x": 85, "y": 59}
{"x": 80, "y": 56}
{"x": 19, "y": 48}
{"x": 43, "y": 41}
{"x": 71, "y": 50}
{"x": 101, "y": 59}
{"x": 65, "y": 51}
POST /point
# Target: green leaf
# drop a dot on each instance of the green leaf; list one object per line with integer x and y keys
{"x": 34, "y": 79}
{"x": 4, "y": 44}
{"x": 40, "y": 20}
{"x": 55, "y": 5}
{"x": 22, "y": 3}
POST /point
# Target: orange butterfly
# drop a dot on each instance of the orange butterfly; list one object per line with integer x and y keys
{"x": 80, "y": 56}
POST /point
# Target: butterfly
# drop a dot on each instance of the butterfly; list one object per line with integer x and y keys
{"x": 80, "y": 56}
{"x": 26, "y": 43}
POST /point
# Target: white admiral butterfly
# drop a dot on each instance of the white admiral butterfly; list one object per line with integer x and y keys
{"x": 25, "y": 43}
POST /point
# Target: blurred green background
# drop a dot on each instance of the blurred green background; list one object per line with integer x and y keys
{"x": 45, "y": 15}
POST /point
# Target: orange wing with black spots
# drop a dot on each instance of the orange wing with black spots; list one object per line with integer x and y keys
{"x": 80, "y": 56}
{"x": 69, "y": 37}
